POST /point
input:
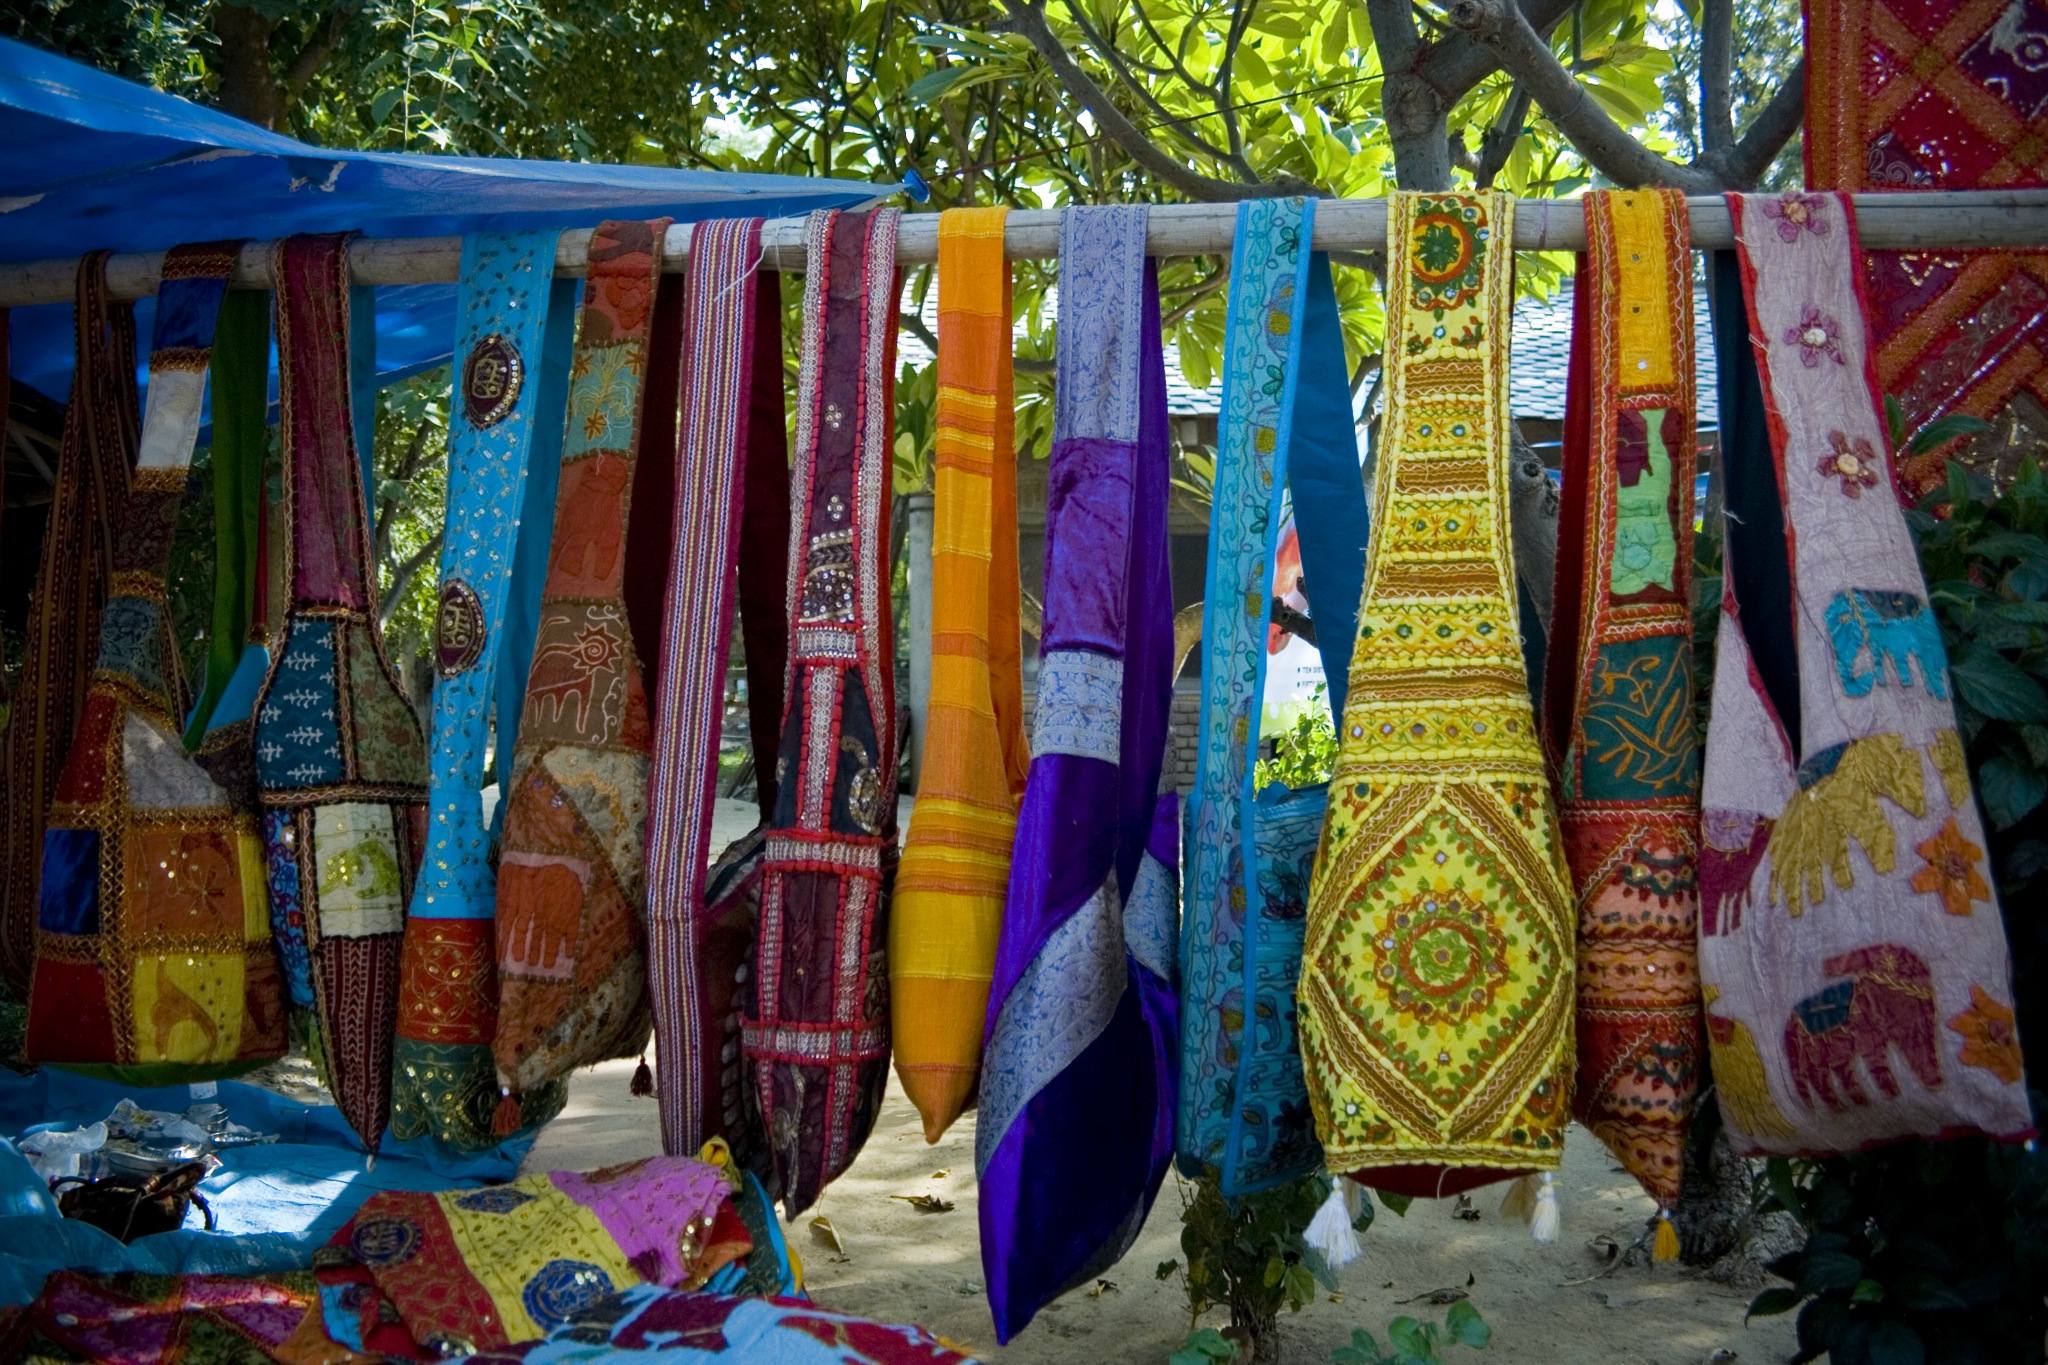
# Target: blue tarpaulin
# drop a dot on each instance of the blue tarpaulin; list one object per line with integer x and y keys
{"x": 274, "y": 1203}
{"x": 90, "y": 161}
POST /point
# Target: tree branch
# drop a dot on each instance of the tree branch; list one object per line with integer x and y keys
{"x": 1193, "y": 300}
{"x": 1497, "y": 144}
{"x": 402, "y": 576}
{"x": 408, "y": 465}
{"x": 1028, "y": 18}
{"x": 1023, "y": 364}
{"x": 1767, "y": 133}
{"x": 1240, "y": 23}
{"x": 1106, "y": 50}
{"x": 1502, "y": 27}
{"x": 326, "y": 37}
{"x": 1373, "y": 263}
{"x": 1717, "y": 75}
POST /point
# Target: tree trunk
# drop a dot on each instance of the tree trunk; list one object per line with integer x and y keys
{"x": 247, "y": 89}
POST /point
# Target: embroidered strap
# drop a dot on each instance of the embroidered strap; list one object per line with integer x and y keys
{"x": 819, "y": 1027}
{"x": 732, "y": 434}
{"x": 509, "y": 406}
{"x": 100, "y": 435}
{"x": 571, "y": 880}
{"x": 956, "y": 860}
{"x": 1852, "y": 956}
{"x": 1618, "y": 706}
{"x": 1437, "y": 962}
{"x": 340, "y": 761}
{"x": 1241, "y": 1083}
{"x": 154, "y": 956}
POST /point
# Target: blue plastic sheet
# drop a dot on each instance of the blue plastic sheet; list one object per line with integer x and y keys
{"x": 90, "y": 161}
{"x": 273, "y": 1203}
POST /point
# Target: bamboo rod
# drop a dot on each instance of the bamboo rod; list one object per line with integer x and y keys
{"x": 1938, "y": 220}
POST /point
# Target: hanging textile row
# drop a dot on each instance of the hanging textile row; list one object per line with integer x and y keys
{"x": 1534, "y": 886}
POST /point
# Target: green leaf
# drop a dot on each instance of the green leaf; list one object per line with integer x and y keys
{"x": 1895, "y": 420}
{"x": 1465, "y": 1325}
{"x": 1996, "y": 686}
{"x": 1921, "y": 1292}
{"x": 1778, "y": 1175}
{"x": 1202, "y": 1347}
{"x": 926, "y": 89}
{"x": 1894, "y": 1343}
{"x": 1363, "y": 1350}
{"x": 1772, "y": 1302}
{"x": 1410, "y": 1338}
{"x": 1396, "y": 1204}
{"x": 2029, "y": 580}
{"x": 1867, "y": 1291}
{"x": 381, "y": 105}
{"x": 1827, "y": 1270}
{"x": 2011, "y": 787}
{"x": 2009, "y": 545}
{"x": 1942, "y": 430}
{"x": 1165, "y": 1269}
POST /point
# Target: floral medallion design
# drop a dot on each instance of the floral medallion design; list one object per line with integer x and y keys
{"x": 1795, "y": 213}
{"x": 1816, "y": 335}
{"x": 1852, "y": 462}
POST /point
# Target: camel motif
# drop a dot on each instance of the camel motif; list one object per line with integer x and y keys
{"x": 1889, "y": 629}
{"x": 172, "y": 1007}
{"x": 1887, "y": 1002}
{"x": 1732, "y": 847}
{"x": 566, "y": 669}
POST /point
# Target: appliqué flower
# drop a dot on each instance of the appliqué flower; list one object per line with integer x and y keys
{"x": 1989, "y": 1040}
{"x": 1794, "y": 212}
{"x": 1815, "y": 336}
{"x": 1951, "y": 870}
{"x": 1854, "y": 463}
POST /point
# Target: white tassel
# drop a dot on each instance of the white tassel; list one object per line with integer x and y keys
{"x": 1331, "y": 1232}
{"x": 1543, "y": 1227}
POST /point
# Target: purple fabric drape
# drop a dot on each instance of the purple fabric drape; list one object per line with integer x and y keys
{"x": 1076, "y": 1107}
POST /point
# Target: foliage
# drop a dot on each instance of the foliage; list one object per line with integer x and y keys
{"x": 1247, "y": 1254}
{"x": 1412, "y": 1342}
{"x": 1305, "y": 753}
{"x": 412, "y": 495}
{"x": 1938, "y": 1252}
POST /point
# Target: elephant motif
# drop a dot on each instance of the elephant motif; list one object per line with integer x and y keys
{"x": 1837, "y": 805}
{"x": 1891, "y": 628}
{"x": 590, "y": 530}
{"x": 1887, "y": 1002}
{"x": 1732, "y": 848}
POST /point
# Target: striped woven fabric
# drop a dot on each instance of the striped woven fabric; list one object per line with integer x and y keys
{"x": 730, "y": 467}
{"x": 956, "y": 861}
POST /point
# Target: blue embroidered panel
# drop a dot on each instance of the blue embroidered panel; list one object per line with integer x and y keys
{"x": 1079, "y": 709}
{"x": 298, "y": 737}
{"x": 1101, "y": 251}
{"x": 503, "y": 313}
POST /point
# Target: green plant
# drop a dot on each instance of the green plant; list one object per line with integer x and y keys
{"x": 1413, "y": 1342}
{"x": 1247, "y": 1254}
{"x": 1304, "y": 753}
{"x": 1938, "y": 1252}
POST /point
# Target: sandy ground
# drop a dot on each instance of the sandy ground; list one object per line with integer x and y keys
{"x": 900, "y": 1264}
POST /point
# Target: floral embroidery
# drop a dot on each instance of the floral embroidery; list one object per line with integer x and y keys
{"x": 1989, "y": 1039}
{"x": 1816, "y": 335}
{"x": 1794, "y": 211}
{"x": 1951, "y": 870}
{"x": 1854, "y": 463}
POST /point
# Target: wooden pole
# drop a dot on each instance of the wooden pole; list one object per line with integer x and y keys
{"x": 1946, "y": 220}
